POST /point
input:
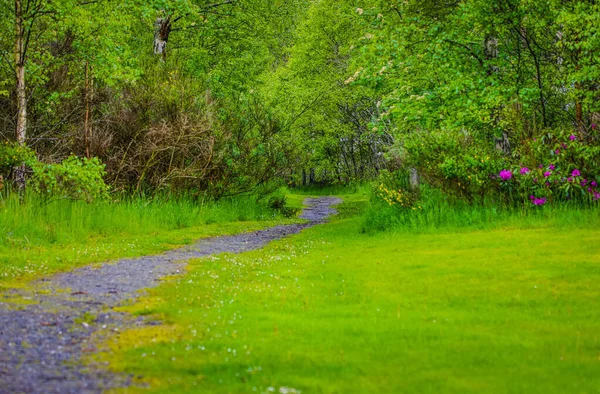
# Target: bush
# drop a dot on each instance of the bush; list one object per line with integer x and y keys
{"x": 75, "y": 178}
{"x": 456, "y": 163}
{"x": 394, "y": 190}
{"x": 13, "y": 155}
{"x": 555, "y": 167}
{"x": 278, "y": 203}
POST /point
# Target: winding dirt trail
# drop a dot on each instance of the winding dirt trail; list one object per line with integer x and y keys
{"x": 41, "y": 344}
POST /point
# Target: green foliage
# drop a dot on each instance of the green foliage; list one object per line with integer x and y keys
{"x": 328, "y": 121}
{"x": 74, "y": 178}
{"x": 13, "y": 155}
{"x": 556, "y": 167}
{"x": 580, "y": 21}
{"x": 454, "y": 162}
{"x": 394, "y": 190}
{"x": 184, "y": 122}
{"x": 439, "y": 212}
{"x": 254, "y": 94}
{"x": 457, "y": 92}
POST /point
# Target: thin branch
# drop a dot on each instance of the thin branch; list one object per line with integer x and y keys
{"x": 468, "y": 48}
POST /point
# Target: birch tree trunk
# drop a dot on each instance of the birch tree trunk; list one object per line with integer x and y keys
{"x": 21, "y": 130}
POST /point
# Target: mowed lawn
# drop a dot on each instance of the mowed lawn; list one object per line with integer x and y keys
{"x": 335, "y": 311}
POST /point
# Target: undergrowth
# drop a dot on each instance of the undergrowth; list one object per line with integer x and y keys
{"x": 435, "y": 211}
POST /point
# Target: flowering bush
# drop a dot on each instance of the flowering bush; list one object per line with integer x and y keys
{"x": 393, "y": 196}
{"x": 564, "y": 167}
{"x": 557, "y": 166}
{"x": 394, "y": 191}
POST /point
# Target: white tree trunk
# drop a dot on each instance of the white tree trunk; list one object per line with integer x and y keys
{"x": 21, "y": 130}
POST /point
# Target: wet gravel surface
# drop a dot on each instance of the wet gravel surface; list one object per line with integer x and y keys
{"x": 42, "y": 343}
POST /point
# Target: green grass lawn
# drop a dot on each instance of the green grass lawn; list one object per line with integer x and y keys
{"x": 334, "y": 311}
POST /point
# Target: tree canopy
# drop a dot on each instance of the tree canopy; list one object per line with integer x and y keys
{"x": 232, "y": 96}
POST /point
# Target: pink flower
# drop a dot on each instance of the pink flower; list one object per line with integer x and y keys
{"x": 551, "y": 166}
{"x": 572, "y": 137}
{"x": 594, "y": 183}
{"x": 547, "y": 174}
{"x": 524, "y": 171}
{"x": 557, "y": 151}
{"x": 505, "y": 175}
{"x": 576, "y": 173}
{"x": 539, "y": 201}
{"x": 594, "y": 126}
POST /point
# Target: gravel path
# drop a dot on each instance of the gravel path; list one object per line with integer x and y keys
{"x": 41, "y": 344}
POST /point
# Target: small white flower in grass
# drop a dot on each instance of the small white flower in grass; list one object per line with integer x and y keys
{"x": 289, "y": 390}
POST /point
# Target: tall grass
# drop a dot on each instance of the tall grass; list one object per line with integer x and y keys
{"x": 435, "y": 212}
{"x": 34, "y": 221}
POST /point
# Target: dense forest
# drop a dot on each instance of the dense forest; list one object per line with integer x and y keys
{"x": 480, "y": 100}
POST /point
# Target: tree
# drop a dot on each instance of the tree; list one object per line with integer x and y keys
{"x": 329, "y": 118}
{"x": 171, "y": 14}
{"x": 26, "y": 14}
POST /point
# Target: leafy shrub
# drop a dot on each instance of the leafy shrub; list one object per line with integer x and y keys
{"x": 75, "y": 178}
{"x": 454, "y": 162}
{"x": 393, "y": 189}
{"x": 556, "y": 167}
{"x": 13, "y": 155}
{"x": 279, "y": 203}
